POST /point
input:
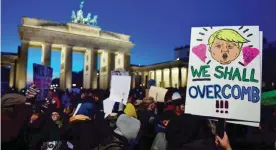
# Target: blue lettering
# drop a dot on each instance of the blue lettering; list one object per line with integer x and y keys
{"x": 255, "y": 94}
{"x": 217, "y": 91}
{"x": 246, "y": 91}
{"x": 209, "y": 91}
{"x": 223, "y": 91}
{"x": 190, "y": 92}
{"x": 238, "y": 93}
{"x": 201, "y": 93}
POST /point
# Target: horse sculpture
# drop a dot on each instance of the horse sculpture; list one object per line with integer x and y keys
{"x": 78, "y": 18}
{"x": 94, "y": 20}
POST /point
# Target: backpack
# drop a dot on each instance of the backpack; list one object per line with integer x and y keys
{"x": 114, "y": 142}
{"x": 159, "y": 142}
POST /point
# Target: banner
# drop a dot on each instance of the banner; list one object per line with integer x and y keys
{"x": 224, "y": 78}
{"x": 42, "y": 77}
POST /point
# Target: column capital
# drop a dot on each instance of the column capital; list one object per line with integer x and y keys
{"x": 25, "y": 42}
{"x": 67, "y": 46}
{"x": 46, "y": 43}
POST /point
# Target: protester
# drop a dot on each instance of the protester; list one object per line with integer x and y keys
{"x": 141, "y": 124}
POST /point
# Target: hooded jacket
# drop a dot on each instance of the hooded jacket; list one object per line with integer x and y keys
{"x": 127, "y": 127}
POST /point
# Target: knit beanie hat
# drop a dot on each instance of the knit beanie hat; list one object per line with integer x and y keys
{"x": 86, "y": 109}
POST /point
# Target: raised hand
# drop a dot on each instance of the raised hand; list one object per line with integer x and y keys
{"x": 224, "y": 142}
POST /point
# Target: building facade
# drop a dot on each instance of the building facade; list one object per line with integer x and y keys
{"x": 167, "y": 74}
{"x": 113, "y": 49}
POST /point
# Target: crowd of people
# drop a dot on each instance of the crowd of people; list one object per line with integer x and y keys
{"x": 58, "y": 122}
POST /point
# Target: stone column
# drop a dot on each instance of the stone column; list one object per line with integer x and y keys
{"x": 179, "y": 78}
{"x": 143, "y": 78}
{"x": 133, "y": 76}
{"x": 170, "y": 77}
{"x": 46, "y": 54}
{"x": 90, "y": 69}
{"x": 186, "y": 76}
{"x": 126, "y": 62}
{"x": 155, "y": 77}
{"x": 66, "y": 67}
{"x": 21, "y": 67}
{"x": 107, "y": 65}
{"x": 162, "y": 78}
{"x": 12, "y": 75}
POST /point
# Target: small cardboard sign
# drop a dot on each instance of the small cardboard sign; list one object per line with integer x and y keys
{"x": 224, "y": 80}
{"x": 157, "y": 93}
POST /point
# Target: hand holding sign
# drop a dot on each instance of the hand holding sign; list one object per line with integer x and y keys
{"x": 120, "y": 87}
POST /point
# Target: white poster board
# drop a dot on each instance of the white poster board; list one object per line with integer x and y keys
{"x": 224, "y": 78}
{"x": 120, "y": 87}
{"x": 157, "y": 93}
{"x": 108, "y": 105}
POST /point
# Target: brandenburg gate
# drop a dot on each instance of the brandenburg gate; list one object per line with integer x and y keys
{"x": 113, "y": 49}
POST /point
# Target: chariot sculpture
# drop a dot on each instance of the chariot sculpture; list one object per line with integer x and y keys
{"x": 78, "y": 18}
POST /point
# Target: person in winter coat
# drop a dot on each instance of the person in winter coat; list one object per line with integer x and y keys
{"x": 51, "y": 133}
{"x": 147, "y": 131}
{"x": 81, "y": 133}
{"x": 53, "y": 99}
{"x": 15, "y": 112}
{"x": 162, "y": 120}
{"x": 125, "y": 133}
{"x": 185, "y": 128}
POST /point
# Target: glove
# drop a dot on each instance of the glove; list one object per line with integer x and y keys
{"x": 31, "y": 94}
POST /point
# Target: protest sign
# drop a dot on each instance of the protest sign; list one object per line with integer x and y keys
{"x": 254, "y": 124}
{"x": 157, "y": 93}
{"x": 119, "y": 73}
{"x": 42, "y": 78}
{"x": 120, "y": 86}
{"x": 119, "y": 91}
{"x": 224, "y": 80}
{"x": 108, "y": 106}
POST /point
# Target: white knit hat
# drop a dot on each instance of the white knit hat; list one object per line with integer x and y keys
{"x": 176, "y": 96}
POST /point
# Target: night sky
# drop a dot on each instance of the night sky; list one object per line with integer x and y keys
{"x": 156, "y": 26}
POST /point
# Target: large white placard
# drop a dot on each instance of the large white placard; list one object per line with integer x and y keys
{"x": 120, "y": 87}
{"x": 224, "y": 78}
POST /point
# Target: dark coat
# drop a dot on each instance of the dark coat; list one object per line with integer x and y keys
{"x": 185, "y": 129}
{"x": 82, "y": 135}
{"x": 12, "y": 127}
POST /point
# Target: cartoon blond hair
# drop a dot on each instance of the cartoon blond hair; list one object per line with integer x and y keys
{"x": 229, "y": 35}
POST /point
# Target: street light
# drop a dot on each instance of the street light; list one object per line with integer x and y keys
{"x": 73, "y": 85}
